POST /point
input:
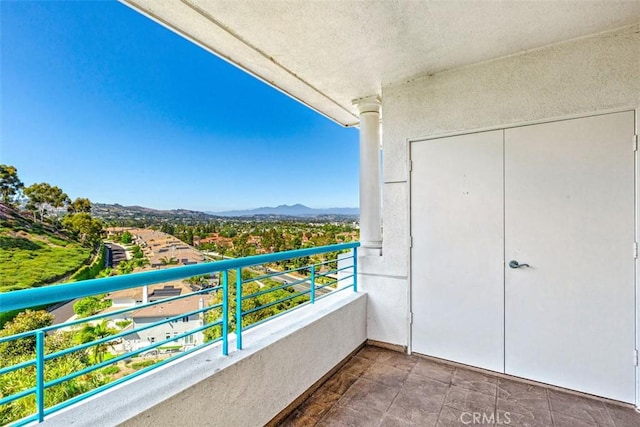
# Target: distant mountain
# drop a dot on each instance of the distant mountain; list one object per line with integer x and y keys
{"x": 119, "y": 212}
{"x": 296, "y": 210}
{"x": 116, "y": 211}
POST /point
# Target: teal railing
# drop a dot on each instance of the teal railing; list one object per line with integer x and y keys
{"x": 309, "y": 283}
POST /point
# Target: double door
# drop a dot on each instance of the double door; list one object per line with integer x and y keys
{"x": 523, "y": 252}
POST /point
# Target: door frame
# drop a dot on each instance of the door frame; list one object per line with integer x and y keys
{"x": 636, "y": 111}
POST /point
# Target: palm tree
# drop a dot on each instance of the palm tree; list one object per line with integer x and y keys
{"x": 168, "y": 261}
{"x": 90, "y": 333}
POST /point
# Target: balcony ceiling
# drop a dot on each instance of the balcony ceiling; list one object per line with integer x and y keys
{"x": 328, "y": 53}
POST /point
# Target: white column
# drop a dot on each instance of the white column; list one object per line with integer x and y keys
{"x": 370, "y": 214}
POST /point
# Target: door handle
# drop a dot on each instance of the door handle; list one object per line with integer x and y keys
{"x": 516, "y": 264}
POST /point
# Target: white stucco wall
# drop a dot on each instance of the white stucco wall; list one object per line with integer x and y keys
{"x": 591, "y": 74}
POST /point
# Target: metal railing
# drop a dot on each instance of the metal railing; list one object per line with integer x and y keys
{"x": 242, "y": 299}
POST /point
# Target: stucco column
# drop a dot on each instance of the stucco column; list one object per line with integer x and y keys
{"x": 370, "y": 214}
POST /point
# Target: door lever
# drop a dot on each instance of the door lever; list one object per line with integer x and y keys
{"x": 516, "y": 264}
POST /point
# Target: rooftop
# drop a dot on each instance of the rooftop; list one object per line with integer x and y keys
{"x": 171, "y": 308}
{"x": 136, "y": 293}
{"x": 162, "y": 246}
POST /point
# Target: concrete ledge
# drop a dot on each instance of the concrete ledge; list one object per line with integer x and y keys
{"x": 280, "y": 361}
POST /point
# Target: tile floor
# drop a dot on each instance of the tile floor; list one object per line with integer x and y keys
{"x": 378, "y": 387}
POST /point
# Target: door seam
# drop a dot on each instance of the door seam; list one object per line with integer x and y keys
{"x": 504, "y": 255}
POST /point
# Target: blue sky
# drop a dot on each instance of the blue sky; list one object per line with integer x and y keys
{"x": 106, "y": 104}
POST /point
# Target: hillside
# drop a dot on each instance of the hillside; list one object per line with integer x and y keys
{"x": 32, "y": 254}
{"x": 118, "y": 212}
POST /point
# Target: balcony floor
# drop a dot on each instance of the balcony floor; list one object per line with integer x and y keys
{"x": 378, "y": 387}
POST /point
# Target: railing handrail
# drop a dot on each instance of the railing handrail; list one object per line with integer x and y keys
{"x": 18, "y": 300}
{"x": 296, "y": 296}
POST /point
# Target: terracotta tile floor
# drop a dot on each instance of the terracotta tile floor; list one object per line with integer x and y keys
{"x": 378, "y": 387}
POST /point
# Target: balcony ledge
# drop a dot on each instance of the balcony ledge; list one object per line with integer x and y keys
{"x": 280, "y": 360}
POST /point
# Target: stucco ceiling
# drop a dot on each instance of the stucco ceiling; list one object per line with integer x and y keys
{"x": 328, "y": 53}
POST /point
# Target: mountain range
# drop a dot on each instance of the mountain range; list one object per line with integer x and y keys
{"x": 290, "y": 210}
{"x": 117, "y": 211}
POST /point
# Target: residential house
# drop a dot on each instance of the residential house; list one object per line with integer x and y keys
{"x": 166, "y": 331}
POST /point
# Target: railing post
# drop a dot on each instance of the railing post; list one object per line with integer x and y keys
{"x": 225, "y": 312}
{"x": 40, "y": 375}
{"x": 355, "y": 269}
{"x": 313, "y": 283}
{"x": 239, "y": 308}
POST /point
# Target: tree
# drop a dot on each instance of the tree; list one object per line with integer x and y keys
{"x": 168, "y": 261}
{"x": 79, "y": 205}
{"x": 126, "y": 238}
{"x": 125, "y": 267}
{"x": 90, "y": 333}
{"x": 138, "y": 257}
{"x": 10, "y": 184}
{"x": 273, "y": 302}
{"x": 83, "y": 225}
{"x": 202, "y": 281}
{"x": 25, "y": 321}
{"x": 36, "y": 196}
{"x": 42, "y": 196}
{"x": 221, "y": 249}
{"x": 106, "y": 272}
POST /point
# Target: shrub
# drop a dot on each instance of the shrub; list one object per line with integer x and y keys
{"x": 110, "y": 370}
{"x": 143, "y": 364}
{"x": 126, "y": 238}
{"x": 92, "y": 270}
{"x": 89, "y": 306}
{"x": 123, "y": 323}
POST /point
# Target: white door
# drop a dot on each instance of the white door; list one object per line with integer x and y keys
{"x": 569, "y": 214}
{"x": 458, "y": 244}
{"x": 557, "y": 196}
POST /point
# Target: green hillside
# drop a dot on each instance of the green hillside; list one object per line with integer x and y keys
{"x": 33, "y": 254}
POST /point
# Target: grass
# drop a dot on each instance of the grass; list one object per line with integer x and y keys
{"x": 33, "y": 254}
{"x": 271, "y": 282}
{"x": 28, "y": 263}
